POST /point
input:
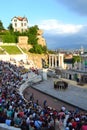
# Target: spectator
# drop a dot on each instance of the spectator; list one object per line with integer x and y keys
{"x": 45, "y": 103}
{"x": 32, "y": 97}
{"x": 15, "y": 111}
{"x": 84, "y": 126}
{"x": 38, "y": 124}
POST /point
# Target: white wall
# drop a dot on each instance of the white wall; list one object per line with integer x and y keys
{"x": 19, "y": 26}
{"x": 5, "y": 127}
{"x": 14, "y": 57}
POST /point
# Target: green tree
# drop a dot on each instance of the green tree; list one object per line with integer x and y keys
{"x": 1, "y": 26}
{"x": 76, "y": 59}
{"x": 9, "y": 38}
{"x": 44, "y": 48}
{"x": 33, "y": 30}
{"x": 32, "y": 35}
{"x": 32, "y": 39}
{"x": 36, "y": 49}
{"x": 10, "y": 28}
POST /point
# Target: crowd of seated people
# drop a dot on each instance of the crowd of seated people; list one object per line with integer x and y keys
{"x": 29, "y": 115}
{"x": 35, "y": 70}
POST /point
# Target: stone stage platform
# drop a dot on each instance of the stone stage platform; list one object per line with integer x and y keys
{"x": 75, "y": 95}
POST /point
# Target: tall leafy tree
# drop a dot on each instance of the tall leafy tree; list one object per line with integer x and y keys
{"x": 10, "y": 28}
{"x": 1, "y": 26}
{"x": 32, "y": 34}
{"x": 76, "y": 59}
{"x": 9, "y": 38}
{"x": 33, "y": 30}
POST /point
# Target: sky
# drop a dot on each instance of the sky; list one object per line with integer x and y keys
{"x": 64, "y": 22}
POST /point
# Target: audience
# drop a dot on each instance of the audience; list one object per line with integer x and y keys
{"x": 29, "y": 115}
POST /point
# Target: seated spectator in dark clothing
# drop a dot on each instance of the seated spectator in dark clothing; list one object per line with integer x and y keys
{"x": 24, "y": 126}
{"x": 2, "y": 118}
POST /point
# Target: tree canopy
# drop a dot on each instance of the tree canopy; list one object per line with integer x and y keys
{"x": 1, "y": 26}
{"x": 76, "y": 59}
{"x": 10, "y": 28}
{"x": 32, "y": 35}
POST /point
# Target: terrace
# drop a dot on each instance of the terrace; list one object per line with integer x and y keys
{"x": 11, "y": 49}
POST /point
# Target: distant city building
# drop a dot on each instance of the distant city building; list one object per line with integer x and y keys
{"x": 84, "y": 61}
{"x": 20, "y": 24}
{"x": 82, "y": 50}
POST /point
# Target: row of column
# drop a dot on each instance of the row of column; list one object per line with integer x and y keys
{"x": 56, "y": 60}
{"x": 53, "y": 61}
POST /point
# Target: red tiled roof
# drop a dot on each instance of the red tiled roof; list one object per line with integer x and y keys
{"x": 21, "y": 18}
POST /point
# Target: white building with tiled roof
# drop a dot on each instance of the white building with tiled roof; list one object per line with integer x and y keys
{"x": 20, "y": 24}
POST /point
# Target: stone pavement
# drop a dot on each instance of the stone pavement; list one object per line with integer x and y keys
{"x": 75, "y": 95}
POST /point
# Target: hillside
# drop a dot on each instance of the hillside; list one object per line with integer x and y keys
{"x": 9, "y": 49}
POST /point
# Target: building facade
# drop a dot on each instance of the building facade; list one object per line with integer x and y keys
{"x": 19, "y": 24}
{"x": 84, "y": 62}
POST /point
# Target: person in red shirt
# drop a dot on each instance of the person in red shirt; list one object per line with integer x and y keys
{"x": 74, "y": 123}
{"x": 84, "y": 126}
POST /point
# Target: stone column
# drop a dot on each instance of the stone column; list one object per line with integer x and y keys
{"x": 61, "y": 63}
{"x": 52, "y": 61}
{"x": 55, "y": 61}
{"x": 44, "y": 74}
{"x": 49, "y": 61}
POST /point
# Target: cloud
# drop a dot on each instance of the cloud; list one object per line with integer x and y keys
{"x": 79, "y": 6}
{"x": 53, "y": 26}
{"x": 60, "y": 35}
{"x": 66, "y": 42}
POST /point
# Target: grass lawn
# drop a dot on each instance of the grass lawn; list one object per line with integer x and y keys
{"x": 1, "y": 52}
{"x": 11, "y": 49}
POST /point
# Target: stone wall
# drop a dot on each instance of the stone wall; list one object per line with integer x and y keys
{"x": 23, "y": 42}
{"x": 37, "y": 59}
{"x": 41, "y": 39}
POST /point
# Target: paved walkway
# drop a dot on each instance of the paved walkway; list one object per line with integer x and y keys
{"x": 75, "y": 95}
